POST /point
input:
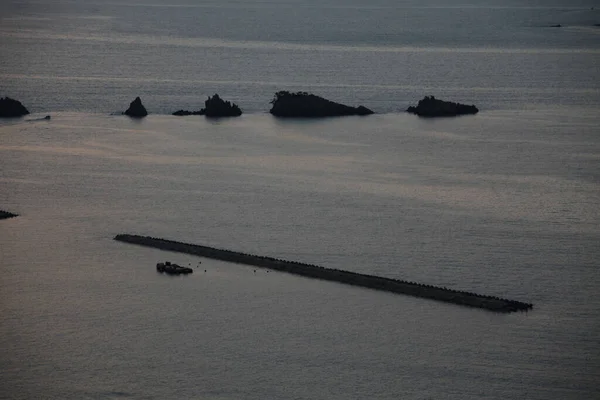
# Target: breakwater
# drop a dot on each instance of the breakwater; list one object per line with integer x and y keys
{"x": 464, "y": 298}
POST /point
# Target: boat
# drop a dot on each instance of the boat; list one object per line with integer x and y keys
{"x": 172, "y": 269}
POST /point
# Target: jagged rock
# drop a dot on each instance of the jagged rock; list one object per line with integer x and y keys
{"x": 432, "y": 107}
{"x": 214, "y": 107}
{"x": 302, "y": 104}
{"x": 217, "y": 107}
{"x": 10, "y": 108}
{"x": 136, "y": 109}
{"x": 6, "y": 214}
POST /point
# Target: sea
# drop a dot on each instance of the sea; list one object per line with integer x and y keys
{"x": 505, "y": 202}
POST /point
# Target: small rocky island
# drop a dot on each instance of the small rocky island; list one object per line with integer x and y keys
{"x": 6, "y": 214}
{"x": 11, "y": 108}
{"x": 302, "y": 104}
{"x": 432, "y": 107}
{"x": 217, "y": 107}
{"x": 136, "y": 109}
{"x": 214, "y": 107}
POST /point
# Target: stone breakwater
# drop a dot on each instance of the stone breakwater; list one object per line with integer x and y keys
{"x": 464, "y": 298}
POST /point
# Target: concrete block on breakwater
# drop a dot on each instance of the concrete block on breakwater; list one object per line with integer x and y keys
{"x": 464, "y": 298}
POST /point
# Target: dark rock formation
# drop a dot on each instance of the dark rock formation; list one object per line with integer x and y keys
{"x": 10, "y": 108}
{"x": 217, "y": 107}
{"x": 173, "y": 269}
{"x": 136, "y": 109}
{"x": 181, "y": 113}
{"x": 432, "y": 107}
{"x": 214, "y": 107}
{"x": 6, "y": 214}
{"x": 302, "y": 104}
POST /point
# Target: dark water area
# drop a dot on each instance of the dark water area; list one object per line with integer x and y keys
{"x": 504, "y": 202}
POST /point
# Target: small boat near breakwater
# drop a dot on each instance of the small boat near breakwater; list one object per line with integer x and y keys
{"x": 464, "y": 298}
{"x": 172, "y": 269}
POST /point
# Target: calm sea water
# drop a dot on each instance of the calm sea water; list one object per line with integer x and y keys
{"x": 503, "y": 203}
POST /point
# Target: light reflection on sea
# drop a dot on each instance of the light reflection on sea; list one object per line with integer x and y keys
{"x": 95, "y": 320}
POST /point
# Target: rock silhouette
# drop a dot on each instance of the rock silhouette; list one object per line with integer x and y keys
{"x": 432, "y": 107}
{"x": 10, "y": 108}
{"x": 136, "y": 109}
{"x": 173, "y": 269}
{"x": 217, "y": 107}
{"x": 6, "y": 214}
{"x": 214, "y": 107}
{"x": 186, "y": 112}
{"x": 302, "y": 104}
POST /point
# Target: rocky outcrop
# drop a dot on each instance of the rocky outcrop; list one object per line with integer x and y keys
{"x": 10, "y": 108}
{"x": 302, "y": 104}
{"x": 214, "y": 107}
{"x": 136, "y": 109}
{"x": 6, "y": 214}
{"x": 181, "y": 113}
{"x": 217, "y": 107}
{"x": 172, "y": 269}
{"x": 432, "y": 107}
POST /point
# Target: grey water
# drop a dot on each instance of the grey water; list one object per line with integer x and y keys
{"x": 503, "y": 203}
